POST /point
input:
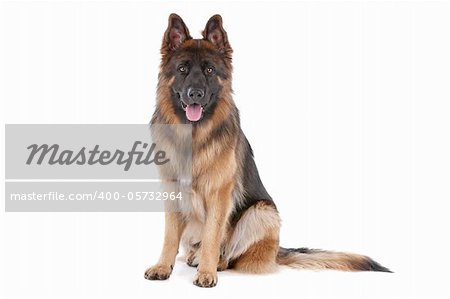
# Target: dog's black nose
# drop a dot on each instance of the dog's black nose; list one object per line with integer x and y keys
{"x": 196, "y": 94}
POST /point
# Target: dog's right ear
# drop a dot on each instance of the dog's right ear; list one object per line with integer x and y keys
{"x": 175, "y": 35}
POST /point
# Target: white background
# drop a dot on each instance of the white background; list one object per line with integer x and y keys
{"x": 346, "y": 105}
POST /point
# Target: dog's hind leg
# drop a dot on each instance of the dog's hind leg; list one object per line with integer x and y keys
{"x": 254, "y": 242}
{"x": 259, "y": 257}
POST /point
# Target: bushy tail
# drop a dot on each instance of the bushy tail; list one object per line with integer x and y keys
{"x": 315, "y": 259}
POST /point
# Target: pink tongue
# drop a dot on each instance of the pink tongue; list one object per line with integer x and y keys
{"x": 194, "y": 112}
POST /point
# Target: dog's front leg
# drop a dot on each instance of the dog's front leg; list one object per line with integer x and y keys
{"x": 218, "y": 208}
{"x": 174, "y": 226}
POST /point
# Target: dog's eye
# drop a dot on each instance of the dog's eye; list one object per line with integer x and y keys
{"x": 182, "y": 69}
{"x": 209, "y": 70}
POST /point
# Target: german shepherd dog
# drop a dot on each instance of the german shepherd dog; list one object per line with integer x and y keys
{"x": 230, "y": 221}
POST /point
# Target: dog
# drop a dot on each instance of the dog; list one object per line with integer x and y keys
{"x": 230, "y": 221}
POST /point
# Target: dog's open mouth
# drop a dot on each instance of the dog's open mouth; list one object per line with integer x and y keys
{"x": 193, "y": 111}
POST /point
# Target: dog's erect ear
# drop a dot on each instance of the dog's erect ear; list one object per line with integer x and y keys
{"x": 175, "y": 35}
{"x": 215, "y": 33}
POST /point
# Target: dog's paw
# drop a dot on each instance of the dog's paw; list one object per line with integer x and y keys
{"x": 205, "y": 279}
{"x": 191, "y": 259}
{"x": 223, "y": 265}
{"x": 158, "y": 272}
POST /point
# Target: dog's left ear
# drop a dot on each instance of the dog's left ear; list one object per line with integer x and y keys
{"x": 215, "y": 33}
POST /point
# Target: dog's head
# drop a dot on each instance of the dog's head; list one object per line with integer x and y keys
{"x": 196, "y": 72}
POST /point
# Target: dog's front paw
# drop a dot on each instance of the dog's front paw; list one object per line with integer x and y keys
{"x": 158, "y": 272}
{"x": 205, "y": 279}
